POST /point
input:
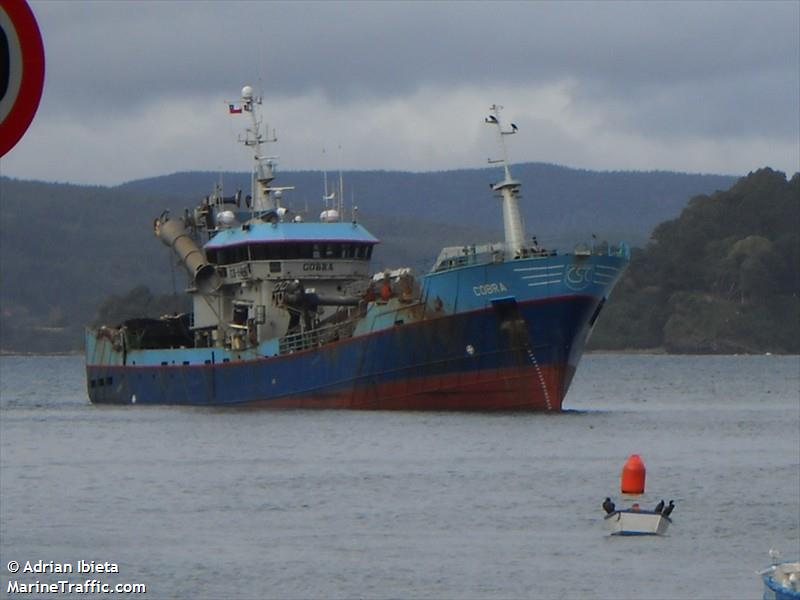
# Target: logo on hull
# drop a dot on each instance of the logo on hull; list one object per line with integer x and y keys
{"x": 578, "y": 277}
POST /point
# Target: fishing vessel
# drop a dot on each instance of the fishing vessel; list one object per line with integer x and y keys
{"x": 287, "y": 313}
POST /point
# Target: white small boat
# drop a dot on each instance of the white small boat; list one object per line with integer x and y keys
{"x": 634, "y": 521}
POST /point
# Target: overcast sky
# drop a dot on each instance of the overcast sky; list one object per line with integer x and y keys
{"x": 137, "y": 89}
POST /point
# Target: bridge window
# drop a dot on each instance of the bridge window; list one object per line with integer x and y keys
{"x": 288, "y": 251}
{"x": 259, "y": 252}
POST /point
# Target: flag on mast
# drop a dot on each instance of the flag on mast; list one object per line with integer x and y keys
{"x": 234, "y": 109}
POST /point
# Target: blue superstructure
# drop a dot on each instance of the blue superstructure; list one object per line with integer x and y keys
{"x": 265, "y": 233}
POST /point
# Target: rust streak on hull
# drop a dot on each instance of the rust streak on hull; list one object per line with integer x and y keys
{"x": 518, "y": 389}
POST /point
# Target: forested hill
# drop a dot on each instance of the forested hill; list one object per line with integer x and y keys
{"x": 724, "y": 277}
{"x": 558, "y": 203}
{"x": 65, "y": 249}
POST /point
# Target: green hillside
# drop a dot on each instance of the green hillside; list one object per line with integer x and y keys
{"x": 724, "y": 277}
{"x": 65, "y": 250}
{"x": 558, "y": 203}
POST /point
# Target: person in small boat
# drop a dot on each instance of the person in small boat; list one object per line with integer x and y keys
{"x": 659, "y": 507}
{"x": 608, "y": 506}
{"x": 668, "y": 510}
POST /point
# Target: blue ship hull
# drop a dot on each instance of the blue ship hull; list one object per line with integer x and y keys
{"x": 502, "y": 336}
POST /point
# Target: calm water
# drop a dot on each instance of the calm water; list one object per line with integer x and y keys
{"x": 206, "y": 503}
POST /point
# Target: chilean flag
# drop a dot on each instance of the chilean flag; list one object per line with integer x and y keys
{"x": 234, "y": 109}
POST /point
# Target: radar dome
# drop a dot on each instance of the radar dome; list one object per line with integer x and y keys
{"x": 329, "y": 216}
{"x": 226, "y": 218}
{"x": 247, "y": 92}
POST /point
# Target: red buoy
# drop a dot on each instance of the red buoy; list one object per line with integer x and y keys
{"x": 633, "y": 473}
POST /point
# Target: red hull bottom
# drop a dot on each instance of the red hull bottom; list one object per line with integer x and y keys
{"x": 514, "y": 389}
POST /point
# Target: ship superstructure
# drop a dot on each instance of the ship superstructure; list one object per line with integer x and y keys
{"x": 286, "y": 313}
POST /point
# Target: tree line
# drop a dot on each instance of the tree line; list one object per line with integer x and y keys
{"x": 723, "y": 277}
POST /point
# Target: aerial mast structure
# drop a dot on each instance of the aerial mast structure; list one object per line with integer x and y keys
{"x": 508, "y": 188}
{"x": 263, "y": 171}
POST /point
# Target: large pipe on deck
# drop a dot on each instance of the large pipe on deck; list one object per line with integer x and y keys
{"x": 173, "y": 233}
{"x": 322, "y": 300}
{"x": 297, "y": 296}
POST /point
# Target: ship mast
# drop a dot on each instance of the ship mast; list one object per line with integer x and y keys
{"x": 508, "y": 188}
{"x": 253, "y": 138}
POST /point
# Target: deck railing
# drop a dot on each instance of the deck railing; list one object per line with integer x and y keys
{"x": 314, "y": 338}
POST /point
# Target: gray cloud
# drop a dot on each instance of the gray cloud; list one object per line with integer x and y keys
{"x": 672, "y": 72}
{"x": 388, "y": 48}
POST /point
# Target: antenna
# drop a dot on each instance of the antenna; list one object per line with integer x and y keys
{"x": 325, "y": 180}
{"x": 327, "y": 196}
{"x": 494, "y": 119}
{"x": 340, "y": 199}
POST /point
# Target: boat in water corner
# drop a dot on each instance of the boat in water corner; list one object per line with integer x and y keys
{"x": 287, "y": 314}
{"x": 781, "y": 579}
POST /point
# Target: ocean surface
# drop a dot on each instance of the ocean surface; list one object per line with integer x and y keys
{"x": 211, "y": 503}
